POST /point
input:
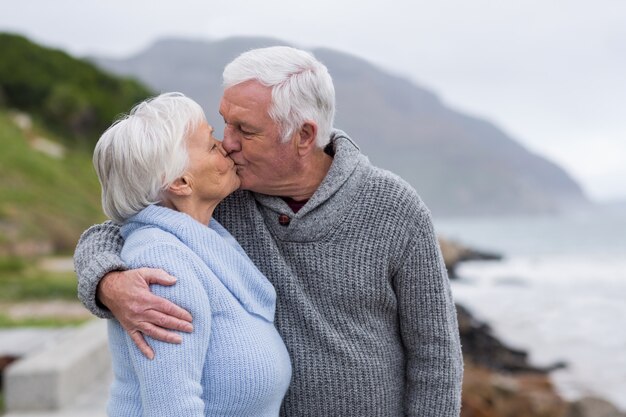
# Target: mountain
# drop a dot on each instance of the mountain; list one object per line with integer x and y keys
{"x": 460, "y": 165}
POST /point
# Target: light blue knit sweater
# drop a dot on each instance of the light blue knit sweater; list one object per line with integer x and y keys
{"x": 234, "y": 363}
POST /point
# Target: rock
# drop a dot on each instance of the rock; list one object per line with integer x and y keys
{"x": 5, "y": 361}
{"x": 22, "y": 120}
{"x": 48, "y": 147}
{"x": 488, "y": 393}
{"x": 454, "y": 253}
{"x": 484, "y": 349}
{"x": 593, "y": 407}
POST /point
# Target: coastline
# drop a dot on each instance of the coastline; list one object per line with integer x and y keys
{"x": 500, "y": 378}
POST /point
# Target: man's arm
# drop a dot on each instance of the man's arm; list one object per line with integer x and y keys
{"x": 97, "y": 253}
{"x": 108, "y": 290}
{"x": 429, "y": 328}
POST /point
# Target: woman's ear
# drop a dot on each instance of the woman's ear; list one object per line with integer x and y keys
{"x": 181, "y": 186}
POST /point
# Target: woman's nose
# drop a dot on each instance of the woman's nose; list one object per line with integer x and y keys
{"x": 221, "y": 148}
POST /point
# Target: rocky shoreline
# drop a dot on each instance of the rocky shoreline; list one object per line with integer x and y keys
{"x": 499, "y": 380}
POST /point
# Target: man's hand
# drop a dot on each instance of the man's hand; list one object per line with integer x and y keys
{"x": 127, "y": 294}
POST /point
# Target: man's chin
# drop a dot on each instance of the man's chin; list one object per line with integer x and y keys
{"x": 243, "y": 184}
{"x": 253, "y": 186}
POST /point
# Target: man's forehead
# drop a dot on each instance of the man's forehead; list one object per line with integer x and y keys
{"x": 248, "y": 90}
{"x": 243, "y": 99}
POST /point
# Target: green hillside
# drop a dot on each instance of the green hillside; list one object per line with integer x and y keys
{"x": 53, "y": 107}
{"x": 71, "y": 96}
{"x": 44, "y": 200}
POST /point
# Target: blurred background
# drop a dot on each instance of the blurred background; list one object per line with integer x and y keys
{"x": 507, "y": 117}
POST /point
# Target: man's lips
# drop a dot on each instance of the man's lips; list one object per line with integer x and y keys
{"x": 235, "y": 164}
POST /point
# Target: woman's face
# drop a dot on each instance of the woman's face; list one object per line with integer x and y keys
{"x": 212, "y": 173}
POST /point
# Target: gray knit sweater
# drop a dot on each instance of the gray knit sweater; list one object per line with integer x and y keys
{"x": 363, "y": 299}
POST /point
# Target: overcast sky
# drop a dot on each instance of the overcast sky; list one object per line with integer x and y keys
{"x": 550, "y": 73}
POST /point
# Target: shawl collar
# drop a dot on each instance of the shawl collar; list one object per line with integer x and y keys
{"x": 329, "y": 202}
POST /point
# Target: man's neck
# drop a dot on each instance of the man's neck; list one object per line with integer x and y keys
{"x": 310, "y": 176}
{"x": 294, "y": 205}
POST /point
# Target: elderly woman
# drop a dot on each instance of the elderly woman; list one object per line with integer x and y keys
{"x": 162, "y": 174}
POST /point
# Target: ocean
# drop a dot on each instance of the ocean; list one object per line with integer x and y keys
{"x": 559, "y": 293}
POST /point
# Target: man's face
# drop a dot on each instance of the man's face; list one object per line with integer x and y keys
{"x": 252, "y": 139}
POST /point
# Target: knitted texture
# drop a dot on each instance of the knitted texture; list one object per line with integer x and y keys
{"x": 363, "y": 300}
{"x": 234, "y": 363}
{"x": 92, "y": 268}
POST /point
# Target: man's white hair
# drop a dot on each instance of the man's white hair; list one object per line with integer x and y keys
{"x": 142, "y": 153}
{"x": 302, "y": 88}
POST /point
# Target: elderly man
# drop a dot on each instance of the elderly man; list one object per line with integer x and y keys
{"x": 364, "y": 304}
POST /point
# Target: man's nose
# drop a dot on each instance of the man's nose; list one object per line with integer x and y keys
{"x": 230, "y": 141}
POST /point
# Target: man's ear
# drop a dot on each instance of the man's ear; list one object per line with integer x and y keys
{"x": 307, "y": 136}
{"x": 181, "y": 186}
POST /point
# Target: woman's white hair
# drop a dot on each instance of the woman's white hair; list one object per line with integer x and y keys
{"x": 142, "y": 153}
{"x": 302, "y": 88}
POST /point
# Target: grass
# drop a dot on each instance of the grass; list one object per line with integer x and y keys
{"x": 7, "y": 322}
{"x": 43, "y": 199}
{"x": 21, "y": 280}
{"x": 45, "y": 204}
